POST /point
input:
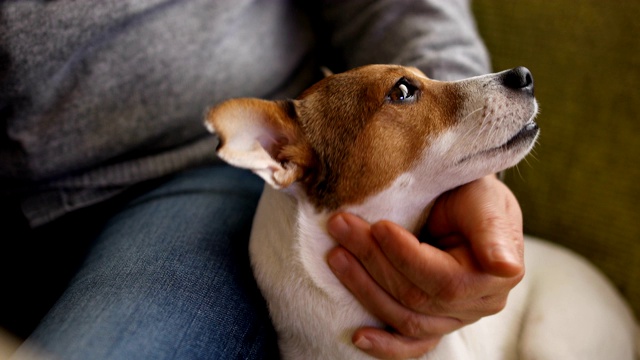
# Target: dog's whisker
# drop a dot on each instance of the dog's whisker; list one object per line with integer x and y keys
{"x": 517, "y": 167}
{"x": 471, "y": 113}
{"x": 480, "y": 130}
{"x": 532, "y": 156}
{"x": 471, "y": 129}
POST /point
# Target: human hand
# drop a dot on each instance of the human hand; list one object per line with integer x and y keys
{"x": 424, "y": 291}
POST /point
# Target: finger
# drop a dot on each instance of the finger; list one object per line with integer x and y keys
{"x": 487, "y": 214}
{"x": 385, "y": 345}
{"x": 421, "y": 263}
{"x": 355, "y": 235}
{"x": 440, "y": 283}
{"x": 379, "y": 303}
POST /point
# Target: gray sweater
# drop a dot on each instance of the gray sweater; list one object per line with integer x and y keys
{"x": 96, "y": 96}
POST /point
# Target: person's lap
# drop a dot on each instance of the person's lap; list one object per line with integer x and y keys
{"x": 168, "y": 277}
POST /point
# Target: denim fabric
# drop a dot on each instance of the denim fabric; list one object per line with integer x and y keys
{"x": 167, "y": 278}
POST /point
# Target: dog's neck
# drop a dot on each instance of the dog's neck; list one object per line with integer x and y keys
{"x": 303, "y": 234}
{"x": 404, "y": 203}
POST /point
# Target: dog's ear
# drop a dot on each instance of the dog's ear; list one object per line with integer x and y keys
{"x": 326, "y": 71}
{"x": 262, "y": 136}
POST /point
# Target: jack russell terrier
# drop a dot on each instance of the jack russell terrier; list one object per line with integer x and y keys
{"x": 382, "y": 142}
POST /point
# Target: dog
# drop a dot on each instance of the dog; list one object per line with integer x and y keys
{"x": 383, "y": 142}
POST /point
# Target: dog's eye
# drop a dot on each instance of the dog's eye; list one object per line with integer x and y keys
{"x": 402, "y": 91}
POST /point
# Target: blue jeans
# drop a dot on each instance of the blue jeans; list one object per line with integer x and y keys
{"x": 167, "y": 277}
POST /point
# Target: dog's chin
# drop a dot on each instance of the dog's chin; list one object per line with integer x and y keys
{"x": 516, "y": 147}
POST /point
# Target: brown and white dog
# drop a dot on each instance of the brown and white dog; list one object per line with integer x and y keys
{"x": 383, "y": 142}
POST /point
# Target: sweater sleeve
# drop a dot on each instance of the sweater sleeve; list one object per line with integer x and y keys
{"x": 437, "y": 36}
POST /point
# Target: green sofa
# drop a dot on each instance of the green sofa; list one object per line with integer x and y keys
{"x": 581, "y": 185}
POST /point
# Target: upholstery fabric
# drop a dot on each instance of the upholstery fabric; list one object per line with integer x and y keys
{"x": 581, "y": 186}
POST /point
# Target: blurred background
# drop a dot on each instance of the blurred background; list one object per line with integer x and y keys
{"x": 581, "y": 185}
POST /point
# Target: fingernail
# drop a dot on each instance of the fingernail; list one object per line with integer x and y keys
{"x": 338, "y": 228}
{"x": 363, "y": 343}
{"x": 338, "y": 262}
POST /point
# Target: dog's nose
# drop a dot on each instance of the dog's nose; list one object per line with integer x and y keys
{"x": 519, "y": 78}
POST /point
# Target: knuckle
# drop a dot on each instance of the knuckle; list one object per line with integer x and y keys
{"x": 413, "y": 325}
{"x": 520, "y": 276}
{"x": 366, "y": 254}
{"x": 502, "y": 223}
{"x": 494, "y": 221}
{"x": 493, "y": 304}
{"x": 453, "y": 297}
{"x": 414, "y": 298}
{"x": 452, "y": 290}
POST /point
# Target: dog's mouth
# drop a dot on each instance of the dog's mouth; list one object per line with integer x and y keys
{"x": 524, "y": 137}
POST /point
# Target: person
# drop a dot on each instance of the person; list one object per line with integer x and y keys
{"x": 125, "y": 238}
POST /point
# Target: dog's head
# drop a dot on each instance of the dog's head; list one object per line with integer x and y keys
{"x": 352, "y": 134}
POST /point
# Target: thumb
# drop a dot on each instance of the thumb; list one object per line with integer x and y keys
{"x": 487, "y": 215}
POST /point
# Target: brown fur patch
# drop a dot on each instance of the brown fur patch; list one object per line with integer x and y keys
{"x": 362, "y": 141}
